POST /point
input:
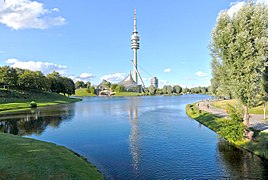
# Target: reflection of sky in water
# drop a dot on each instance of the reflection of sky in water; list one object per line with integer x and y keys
{"x": 144, "y": 138}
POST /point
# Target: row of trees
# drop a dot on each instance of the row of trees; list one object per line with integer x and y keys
{"x": 176, "y": 89}
{"x": 239, "y": 51}
{"x": 35, "y": 80}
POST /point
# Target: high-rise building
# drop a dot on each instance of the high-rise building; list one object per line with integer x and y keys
{"x": 135, "y": 45}
{"x": 154, "y": 82}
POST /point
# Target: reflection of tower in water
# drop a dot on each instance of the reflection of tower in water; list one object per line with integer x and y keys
{"x": 134, "y": 135}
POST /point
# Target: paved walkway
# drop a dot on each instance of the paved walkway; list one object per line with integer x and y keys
{"x": 255, "y": 121}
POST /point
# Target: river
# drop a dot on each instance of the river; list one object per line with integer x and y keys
{"x": 138, "y": 138}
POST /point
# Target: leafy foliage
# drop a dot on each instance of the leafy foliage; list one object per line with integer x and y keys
{"x": 239, "y": 51}
{"x": 152, "y": 89}
{"x": 233, "y": 129}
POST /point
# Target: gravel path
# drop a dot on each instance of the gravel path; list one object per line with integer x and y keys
{"x": 255, "y": 121}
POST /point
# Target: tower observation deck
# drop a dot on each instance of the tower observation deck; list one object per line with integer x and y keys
{"x": 135, "y": 45}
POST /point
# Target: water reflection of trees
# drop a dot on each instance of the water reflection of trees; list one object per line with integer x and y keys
{"x": 35, "y": 121}
{"x": 241, "y": 164}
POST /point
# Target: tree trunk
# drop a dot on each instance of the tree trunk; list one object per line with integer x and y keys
{"x": 264, "y": 110}
{"x": 246, "y": 115}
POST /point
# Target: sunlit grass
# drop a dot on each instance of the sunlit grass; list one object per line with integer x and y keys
{"x": 11, "y": 100}
{"x": 82, "y": 92}
{"x": 23, "y": 158}
{"x": 225, "y": 104}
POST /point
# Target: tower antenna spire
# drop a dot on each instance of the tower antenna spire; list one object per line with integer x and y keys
{"x": 135, "y": 20}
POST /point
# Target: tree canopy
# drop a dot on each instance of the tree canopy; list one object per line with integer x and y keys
{"x": 239, "y": 51}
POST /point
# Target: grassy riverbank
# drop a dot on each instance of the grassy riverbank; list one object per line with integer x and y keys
{"x": 258, "y": 146}
{"x": 225, "y": 104}
{"x": 83, "y": 92}
{"x": 23, "y": 158}
{"x": 13, "y": 100}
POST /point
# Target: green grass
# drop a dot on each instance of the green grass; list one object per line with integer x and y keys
{"x": 127, "y": 94}
{"x": 83, "y": 92}
{"x": 225, "y": 104}
{"x": 23, "y": 158}
{"x": 13, "y": 100}
{"x": 258, "y": 146}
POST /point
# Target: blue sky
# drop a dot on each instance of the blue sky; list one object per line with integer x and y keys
{"x": 90, "y": 40}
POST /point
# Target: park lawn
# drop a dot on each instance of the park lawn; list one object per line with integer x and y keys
{"x": 24, "y": 158}
{"x": 257, "y": 146}
{"x": 13, "y": 100}
{"x": 127, "y": 94}
{"x": 225, "y": 104}
{"x": 83, "y": 92}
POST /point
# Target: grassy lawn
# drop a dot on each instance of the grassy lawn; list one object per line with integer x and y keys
{"x": 224, "y": 104}
{"x": 258, "y": 146}
{"x": 127, "y": 94}
{"x": 83, "y": 92}
{"x": 23, "y": 158}
{"x": 11, "y": 100}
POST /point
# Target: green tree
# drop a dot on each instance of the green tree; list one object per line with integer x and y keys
{"x": 177, "y": 89}
{"x": 239, "y": 47}
{"x": 113, "y": 87}
{"x": 8, "y": 76}
{"x": 33, "y": 80}
{"x": 92, "y": 90}
{"x": 119, "y": 88}
{"x": 107, "y": 85}
{"x": 80, "y": 84}
{"x": 69, "y": 86}
{"x": 264, "y": 90}
{"x": 88, "y": 84}
{"x": 164, "y": 89}
{"x": 152, "y": 89}
{"x": 56, "y": 84}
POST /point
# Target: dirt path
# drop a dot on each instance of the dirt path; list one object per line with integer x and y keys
{"x": 255, "y": 121}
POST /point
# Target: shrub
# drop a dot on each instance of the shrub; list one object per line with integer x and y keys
{"x": 33, "y": 104}
{"x": 233, "y": 129}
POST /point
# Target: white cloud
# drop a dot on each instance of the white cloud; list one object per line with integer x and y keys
{"x": 235, "y": 7}
{"x": 45, "y": 67}
{"x": 24, "y": 14}
{"x": 86, "y": 75}
{"x": 167, "y": 70}
{"x": 262, "y": 1}
{"x": 83, "y": 77}
{"x": 114, "y": 78}
{"x": 200, "y": 74}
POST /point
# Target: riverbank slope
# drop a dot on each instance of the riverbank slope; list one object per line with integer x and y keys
{"x": 14, "y": 100}
{"x": 24, "y": 158}
{"x": 258, "y": 146}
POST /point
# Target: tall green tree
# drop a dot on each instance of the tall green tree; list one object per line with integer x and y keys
{"x": 152, "y": 90}
{"x": 80, "y": 84}
{"x": 177, "y": 89}
{"x": 69, "y": 86}
{"x": 56, "y": 84}
{"x": 8, "y": 76}
{"x": 239, "y": 46}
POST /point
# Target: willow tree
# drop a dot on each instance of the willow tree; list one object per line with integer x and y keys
{"x": 239, "y": 48}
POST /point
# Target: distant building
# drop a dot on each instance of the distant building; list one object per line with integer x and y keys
{"x": 154, "y": 82}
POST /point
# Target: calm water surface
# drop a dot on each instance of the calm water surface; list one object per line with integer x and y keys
{"x": 138, "y": 138}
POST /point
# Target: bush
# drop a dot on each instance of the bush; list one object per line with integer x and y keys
{"x": 33, "y": 104}
{"x": 233, "y": 129}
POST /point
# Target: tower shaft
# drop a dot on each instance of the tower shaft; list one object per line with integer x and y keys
{"x": 135, "y": 45}
{"x": 135, "y": 75}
